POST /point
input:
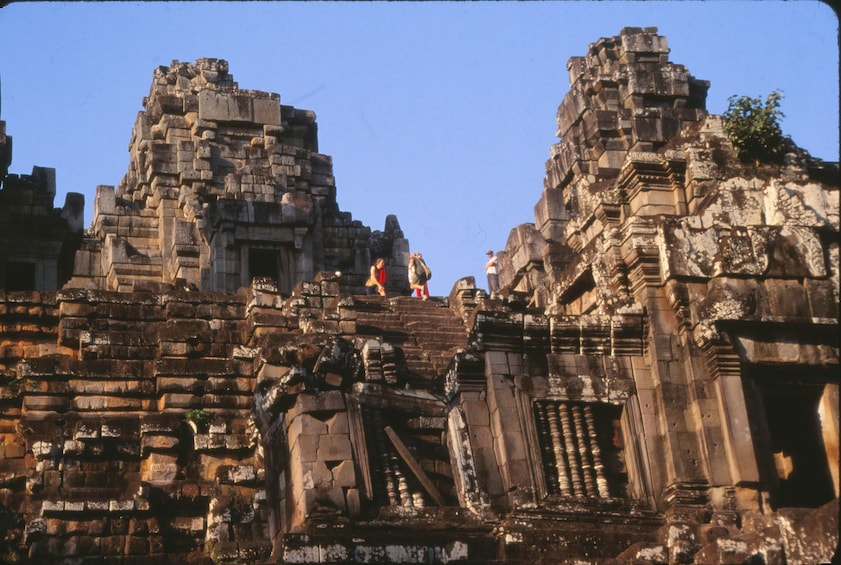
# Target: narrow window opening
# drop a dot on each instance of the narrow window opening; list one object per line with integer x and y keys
{"x": 581, "y": 449}
{"x": 420, "y": 476}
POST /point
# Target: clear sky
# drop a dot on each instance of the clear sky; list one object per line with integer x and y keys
{"x": 439, "y": 112}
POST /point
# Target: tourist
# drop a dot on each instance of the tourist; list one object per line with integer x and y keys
{"x": 492, "y": 269}
{"x": 419, "y": 273}
{"x": 425, "y": 291}
{"x": 376, "y": 281}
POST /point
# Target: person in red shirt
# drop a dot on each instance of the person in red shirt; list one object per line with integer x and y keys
{"x": 376, "y": 282}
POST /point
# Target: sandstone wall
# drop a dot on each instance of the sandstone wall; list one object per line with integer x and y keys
{"x": 656, "y": 382}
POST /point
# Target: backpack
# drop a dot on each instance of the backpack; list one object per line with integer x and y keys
{"x": 424, "y": 273}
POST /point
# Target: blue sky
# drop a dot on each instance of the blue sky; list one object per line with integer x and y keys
{"x": 439, "y": 112}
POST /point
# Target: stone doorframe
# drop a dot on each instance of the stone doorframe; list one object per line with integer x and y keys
{"x": 739, "y": 350}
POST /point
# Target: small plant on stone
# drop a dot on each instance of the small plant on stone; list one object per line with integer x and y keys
{"x": 199, "y": 417}
{"x": 754, "y": 128}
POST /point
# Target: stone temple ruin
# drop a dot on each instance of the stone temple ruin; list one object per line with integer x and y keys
{"x": 189, "y": 380}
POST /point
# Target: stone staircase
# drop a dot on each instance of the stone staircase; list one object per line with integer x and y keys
{"x": 427, "y": 332}
{"x": 437, "y": 329}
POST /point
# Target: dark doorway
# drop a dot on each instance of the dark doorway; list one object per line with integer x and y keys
{"x": 262, "y": 263}
{"x": 796, "y": 444}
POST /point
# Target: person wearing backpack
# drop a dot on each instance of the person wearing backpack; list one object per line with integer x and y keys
{"x": 419, "y": 274}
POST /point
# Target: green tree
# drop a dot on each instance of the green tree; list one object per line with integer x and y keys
{"x": 754, "y": 128}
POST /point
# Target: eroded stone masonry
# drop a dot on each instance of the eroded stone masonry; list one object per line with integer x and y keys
{"x": 198, "y": 377}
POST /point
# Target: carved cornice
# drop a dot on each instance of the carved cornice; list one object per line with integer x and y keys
{"x": 641, "y": 253}
{"x": 619, "y": 334}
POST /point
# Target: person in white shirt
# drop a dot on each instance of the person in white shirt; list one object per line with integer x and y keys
{"x": 492, "y": 271}
{"x": 418, "y": 275}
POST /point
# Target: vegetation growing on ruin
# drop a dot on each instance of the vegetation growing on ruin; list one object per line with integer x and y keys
{"x": 754, "y": 128}
{"x": 199, "y": 416}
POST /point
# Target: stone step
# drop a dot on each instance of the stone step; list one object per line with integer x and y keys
{"x": 438, "y": 318}
{"x": 439, "y": 336}
{"x": 375, "y": 303}
{"x": 434, "y": 336}
{"x": 392, "y": 336}
{"x": 379, "y": 318}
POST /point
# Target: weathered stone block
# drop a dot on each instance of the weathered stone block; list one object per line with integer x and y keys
{"x": 344, "y": 474}
{"x": 326, "y": 401}
{"x": 305, "y": 448}
{"x": 241, "y": 474}
{"x": 476, "y": 413}
{"x": 188, "y": 525}
{"x": 319, "y": 475}
{"x": 334, "y": 447}
{"x": 787, "y": 299}
{"x": 80, "y": 546}
{"x": 822, "y": 297}
{"x": 159, "y": 469}
{"x": 46, "y": 403}
{"x": 158, "y": 442}
{"x": 135, "y": 545}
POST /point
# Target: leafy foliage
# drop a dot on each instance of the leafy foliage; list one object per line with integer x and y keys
{"x": 199, "y": 417}
{"x": 754, "y": 128}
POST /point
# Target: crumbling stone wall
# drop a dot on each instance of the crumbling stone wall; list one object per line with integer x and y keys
{"x": 37, "y": 241}
{"x": 656, "y": 383}
{"x": 193, "y": 424}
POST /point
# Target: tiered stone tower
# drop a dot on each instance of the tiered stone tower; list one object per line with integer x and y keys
{"x": 657, "y": 382}
{"x": 672, "y": 276}
{"x": 224, "y": 185}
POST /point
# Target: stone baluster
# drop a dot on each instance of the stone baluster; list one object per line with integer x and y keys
{"x": 595, "y": 450}
{"x": 385, "y": 456}
{"x": 571, "y": 451}
{"x": 558, "y": 449}
{"x": 582, "y": 439}
{"x": 547, "y": 452}
{"x": 403, "y": 487}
